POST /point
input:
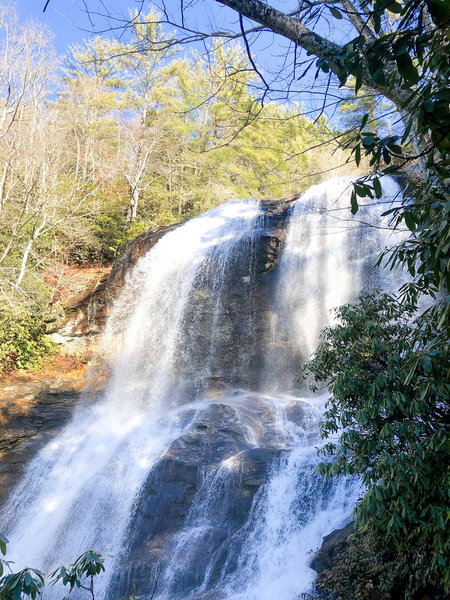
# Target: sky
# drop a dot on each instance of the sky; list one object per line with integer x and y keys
{"x": 68, "y": 21}
{"x": 65, "y": 18}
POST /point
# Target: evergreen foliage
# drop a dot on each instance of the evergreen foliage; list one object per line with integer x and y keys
{"x": 23, "y": 338}
{"x": 136, "y": 137}
{"x": 389, "y": 377}
{"x": 29, "y": 583}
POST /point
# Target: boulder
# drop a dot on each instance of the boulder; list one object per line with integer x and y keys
{"x": 324, "y": 558}
{"x": 222, "y": 460}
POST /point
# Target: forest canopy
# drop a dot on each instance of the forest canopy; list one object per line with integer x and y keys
{"x": 112, "y": 139}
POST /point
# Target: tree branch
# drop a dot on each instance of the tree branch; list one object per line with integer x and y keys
{"x": 286, "y": 26}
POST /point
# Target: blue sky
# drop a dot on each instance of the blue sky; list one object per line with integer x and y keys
{"x": 69, "y": 23}
{"x": 66, "y": 18}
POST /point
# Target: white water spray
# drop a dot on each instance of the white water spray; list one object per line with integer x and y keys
{"x": 79, "y": 491}
{"x": 82, "y": 489}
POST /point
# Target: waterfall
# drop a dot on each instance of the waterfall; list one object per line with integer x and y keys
{"x": 329, "y": 257}
{"x": 78, "y": 493}
{"x": 208, "y": 341}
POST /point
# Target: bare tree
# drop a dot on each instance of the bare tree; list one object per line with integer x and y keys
{"x": 26, "y": 62}
{"x": 45, "y": 179}
{"x": 138, "y": 145}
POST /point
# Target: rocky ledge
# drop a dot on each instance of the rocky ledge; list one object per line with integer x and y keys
{"x": 32, "y": 411}
{"x": 205, "y": 485}
{"x": 86, "y": 313}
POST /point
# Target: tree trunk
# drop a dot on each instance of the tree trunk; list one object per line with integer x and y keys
{"x": 36, "y": 233}
{"x": 294, "y": 30}
{"x": 133, "y": 206}
{"x": 26, "y": 254}
{"x": 3, "y": 185}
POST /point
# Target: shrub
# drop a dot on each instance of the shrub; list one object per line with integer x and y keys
{"x": 23, "y": 338}
{"x": 389, "y": 410}
{"x": 356, "y": 573}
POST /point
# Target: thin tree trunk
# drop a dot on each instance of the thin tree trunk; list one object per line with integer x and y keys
{"x": 3, "y": 185}
{"x": 133, "y": 206}
{"x": 36, "y": 233}
{"x": 23, "y": 266}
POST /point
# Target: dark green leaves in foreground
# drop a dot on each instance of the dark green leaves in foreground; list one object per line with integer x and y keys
{"x": 387, "y": 419}
{"x": 30, "y": 582}
{"x": 81, "y": 573}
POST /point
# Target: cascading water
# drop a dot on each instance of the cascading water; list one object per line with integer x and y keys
{"x": 79, "y": 491}
{"x": 329, "y": 257}
{"x": 200, "y": 316}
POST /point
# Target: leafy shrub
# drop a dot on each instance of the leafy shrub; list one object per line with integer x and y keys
{"x": 389, "y": 379}
{"x": 79, "y": 575}
{"x": 107, "y": 235}
{"x": 23, "y": 338}
{"x": 362, "y": 570}
{"x": 356, "y": 573}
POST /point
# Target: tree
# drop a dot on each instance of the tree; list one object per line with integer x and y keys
{"x": 388, "y": 423}
{"x": 14, "y": 585}
{"x": 391, "y": 47}
{"x": 81, "y": 574}
{"x": 353, "y": 109}
{"x": 86, "y": 567}
{"x": 50, "y": 191}
{"x": 397, "y": 49}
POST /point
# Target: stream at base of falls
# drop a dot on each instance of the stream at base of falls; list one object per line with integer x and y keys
{"x": 197, "y": 464}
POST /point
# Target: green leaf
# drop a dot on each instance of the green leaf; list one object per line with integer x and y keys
{"x": 407, "y": 69}
{"x": 335, "y": 12}
{"x": 407, "y": 131}
{"x": 360, "y": 190}
{"x": 395, "y": 7}
{"x": 409, "y": 220}
{"x": 426, "y": 364}
{"x": 354, "y": 204}
{"x": 377, "y": 187}
{"x": 368, "y": 140}
{"x": 391, "y": 170}
{"x": 359, "y": 74}
{"x": 3, "y": 543}
{"x": 364, "y": 121}
{"x": 386, "y": 156}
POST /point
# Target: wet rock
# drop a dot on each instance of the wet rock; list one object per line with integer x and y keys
{"x": 31, "y": 413}
{"x": 268, "y": 245}
{"x": 237, "y": 446}
{"x": 324, "y": 558}
{"x": 86, "y": 316}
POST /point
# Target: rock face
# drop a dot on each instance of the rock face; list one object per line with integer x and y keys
{"x": 235, "y": 441}
{"x": 233, "y": 311}
{"x": 31, "y": 413}
{"x": 324, "y": 558}
{"x": 86, "y": 315}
